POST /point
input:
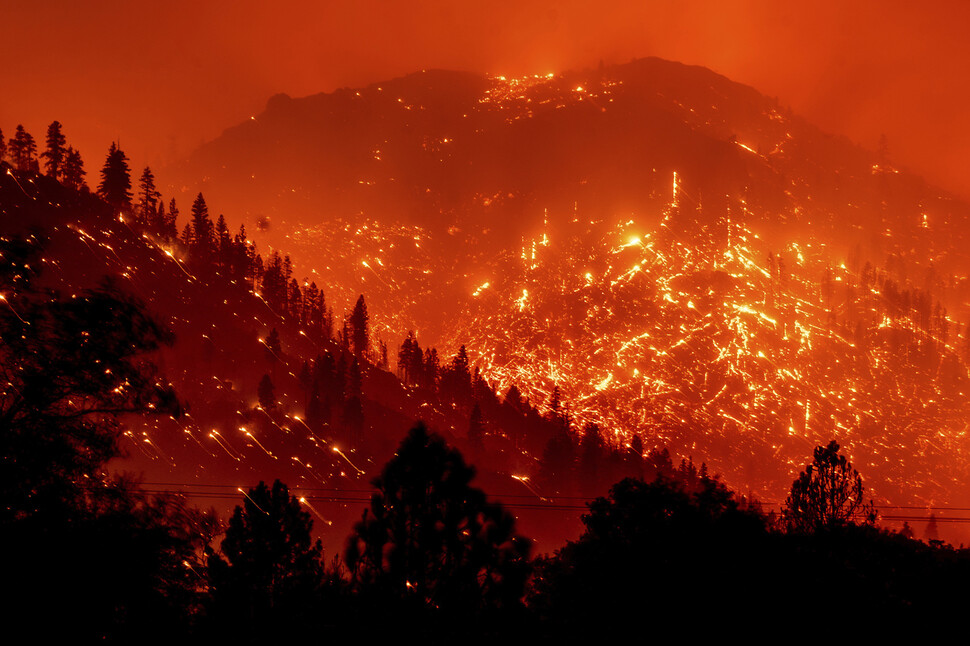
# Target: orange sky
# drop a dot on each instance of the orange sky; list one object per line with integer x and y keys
{"x": 163, "y": 76}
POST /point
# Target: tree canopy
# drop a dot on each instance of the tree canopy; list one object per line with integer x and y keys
{"x": 827, "y": 494}
{"x": 56, "y": 152}
{"x": 268, "y": 563}
{"x": 432, "y": 537}
{"x": 266, "y": 578}
{"x": 69, "y": 367}
{"x": 662, "y": 547}
{"x": 360, "y": 340}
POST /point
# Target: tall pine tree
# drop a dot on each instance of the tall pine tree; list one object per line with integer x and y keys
{"x": 72, "y": 171}
{"x": 115, "y": 186}
{"x": 55, "y": 153}
{"x": 170, "y": 228}
{"x": 22, "y": 151}
{"x": 202, "y": 232}
{"x": 358, "y": 323}
{"x": 147, "y": 197}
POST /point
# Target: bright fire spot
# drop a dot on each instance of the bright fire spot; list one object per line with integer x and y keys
{"x": 606, "y": 382}
{"x": 480, "y": 288}
{"x": 748, "y": 148}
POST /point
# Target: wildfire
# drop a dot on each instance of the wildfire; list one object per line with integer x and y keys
{"x": 716, "y": 348}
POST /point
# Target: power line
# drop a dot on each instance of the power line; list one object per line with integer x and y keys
{"x": 549, "y": 505}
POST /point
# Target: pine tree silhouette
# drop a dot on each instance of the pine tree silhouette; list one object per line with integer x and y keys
{"x": 265, "y": 578}
{"x": 828, "y": 494}
{"x": 147, "y": 197}
{"x": 72, "y": 171}
{"x": 266, "y": 393}
{"x": 358, "y": 325}
{"x": 22, "y": 150}
{"x": 201, "y": 245}
{"x": 55, "y": 153}
{"x": 65, "y": 361}
{"x": 115, "y": 186}
{"x": 432, "y": 537}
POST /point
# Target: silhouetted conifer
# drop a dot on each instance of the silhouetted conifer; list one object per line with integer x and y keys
{"x": 115, "y": 186}
{"x": 23, "y": 149}
{"x": 157, "y": 219}
{"x": 72, "y": 172}
{"x": 186, "y": 237}
{"x": 223, "y": 244}
{"x": 55, "y": 152}
{"x": 431, "y": 368}
{"x": 358, "y": 326}
{"x": 147, "y": 197}
{"x": 558, "y": 463}
{"x": 202, "y": 243}
{"x": 268, "y": 572}
{"x": 266, "y": 393}
{"x": 64, "y": 361}
{"x": 382, "y": 361}
{"x": 660, "y": 546}
{"x": 827, "y": 494}
{"x": 932, "y": 531}
{"x": 429, "y": 536}
{"x": 404, "y": 358}
{"x": 170, "y": 228}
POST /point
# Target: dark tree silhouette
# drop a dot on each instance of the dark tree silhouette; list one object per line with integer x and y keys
{"x": 555, "y": 406}
{"x": 266, "y": 393}
{"x": 827, "y": 494}
{"x": 430, "y": 368}
{"x": 223, "y": 243}
{"x": 429, "y": 536}
{"x": 22, "y": 150}
{"x": 115, "y": 186}
{"x": 69, "y": 367}
{"x": 3, "y": 147}
{"x": 137, "y": 559}
{"x": 360, "y": 337}
{"x": 186, "y": 236}
{"x": 170, "y": 224}
{"x": 29, "y": 152}
{"x": 147, "y": 197}
{"x": 72, "y": 171}
{"x": 457, "y": 381}
{"x": 558, "y": 463}
{"x": 55, "y": 153}
{"x": 156, "y": 219}
{"x": 268, "y": 571}
{"x": 931, "y": 532}
{"x": 202, "y": 232}
{"x": 661, "y": 547}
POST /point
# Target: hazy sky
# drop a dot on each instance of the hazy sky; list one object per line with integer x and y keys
{"x": 164, "y": 76}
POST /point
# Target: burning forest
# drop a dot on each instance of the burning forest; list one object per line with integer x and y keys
{"x": 515, "y": 352}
